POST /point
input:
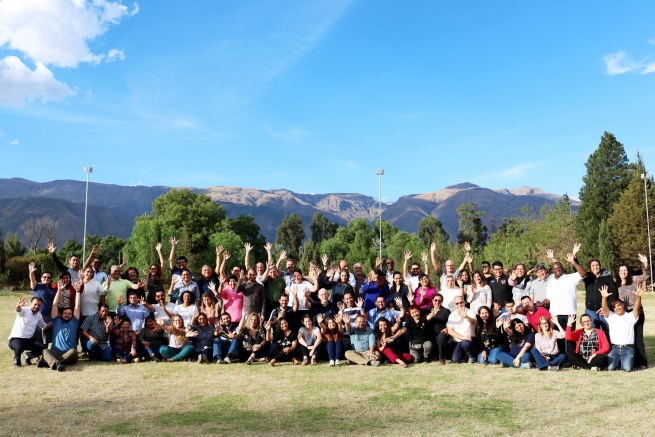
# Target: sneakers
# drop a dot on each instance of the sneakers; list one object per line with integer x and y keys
{"x": 42, "y": 364}
{"x": 28, "y": 358}
{"x": 17, "y": 362}
{"x": 553, "y": 368}
{"x": 472, "y": 360}
{"x": 374, "y": 363}
{"x": 526, "y": 366}
{"x": 61, "y": 368}
{"x": 337, "y": 363}
{"x": 313, "y": 361}
{"x": 136, "y": 360}
{"x": 200, "y": 359}
{"x": 305, "y": 361}
{"x": 154, "y": 358}
{"x": 331, "y": 363}
{"x": 226, "y": 360}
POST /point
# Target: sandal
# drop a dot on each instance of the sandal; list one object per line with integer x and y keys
{"x": 305, "y": 361}
{"x": 250, "y": 359}
{"x": 314, "y": 361}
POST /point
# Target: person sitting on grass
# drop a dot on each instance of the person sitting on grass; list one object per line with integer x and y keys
{"x": 253, "y": 338}
{"x": 309, "y": 340}
{"x": 204, "y": 338}
{"x": 63, "y": 351}
{"x": 622, "y": 329}
{"x": 179, "y": 340}
{"x": 418, "y": 326}
{"x": 96, "y": 330}
{"x": 226, "y": 344}
{"x": 284, "y": 342}
{"x": 461, "y": 327}
{"x": 210, "y": 308}
{"x": 362, "y": 340}
{"x": 283, "y": 311}
{"x": 134, "y": 310}
{"x": 124, "y": 341}
{"x": 488, "y": 336}
{"x": 385, "y": 340}
{"x": 591, "y": 345}
{"x": 438, "y": 318}
{"x": 187, "y": 310}
{"x": 21, "y": 338}
{"x": 521, "y": 339}
{"x": 332, "y": 332}
{"x": 546, "y": 353}
{"x": 151, "y": 338}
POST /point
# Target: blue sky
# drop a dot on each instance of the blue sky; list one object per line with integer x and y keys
{"x": 313, "y": 96}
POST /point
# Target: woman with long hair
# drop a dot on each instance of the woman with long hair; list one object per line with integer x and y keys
{"x": 253, "y": 339}
{"x": 521, "y": 339}
{"x": 151, "y": 338}
{"x": 399, "y": 289}
{"x": 478, "y": 293}
{"x": 339, "y": 287}
{"x": 309, "y": 340}
{"x": 546, "y": 353}
{"x": 203, "y": 342}
{"x": 209, "y": 308}
{"x": 179, "y": 340}
{"x": 155, "y": 275}
{"x": 285, "y": 342}
{"x": 385, "y": 341}
{"x": 375, "y": 287}
{"x": 488, "y": 336}
{"x": 424, "y": 293}
{"x": 332, "y": 332}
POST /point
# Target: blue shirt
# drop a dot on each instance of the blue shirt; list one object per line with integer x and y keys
{"x": 137, "y": 315}
{"x": 374, "y": 315}
{"x": 47, "y": 295}
{"x": 64, "y": 334}
{"x": 361, "y": 340}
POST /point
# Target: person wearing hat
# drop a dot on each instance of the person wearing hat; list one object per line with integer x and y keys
{"x": 536, "y": 288}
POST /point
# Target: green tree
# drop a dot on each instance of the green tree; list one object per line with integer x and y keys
{"x": 195, "y": 215}
{"x": 69, "y": 248}
{"x": 233, "y": 244}
{"x": 246, "y": 228}
{"x": 13, "y": 246}
{"x": 140, "y": 248}
{"x": 362, "y": 247}
{"x": 321, "y": 228}
{"x": 401, "y": 242}
{"x": 431, "y": 230}
{"x": 290, "y": 234}
{"x": 310, "y": 252}
{"x": 3, "y": 254}
{"x": 608, "y": 174}
{"x": 471, "y": 228}
{"x": 605, "y": 248}
{"x": 627, "y": 223}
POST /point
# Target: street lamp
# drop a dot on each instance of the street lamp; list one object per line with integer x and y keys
{"x": 644, "y": 176}
{"x": 88, "y": 171}
{"x": 380, "y": 172}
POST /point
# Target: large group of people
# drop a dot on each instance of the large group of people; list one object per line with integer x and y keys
{"x": 494, "y": 315}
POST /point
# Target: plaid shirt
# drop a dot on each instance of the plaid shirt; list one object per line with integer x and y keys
{"x": 96, "y": 329}
{"x": 588, "y": 344}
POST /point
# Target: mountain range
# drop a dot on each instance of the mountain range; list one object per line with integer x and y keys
{"x": 113, "y": 208}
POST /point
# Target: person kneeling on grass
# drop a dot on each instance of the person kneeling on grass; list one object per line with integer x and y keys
{"x": 332, "y": 332}
{"x": 521, "y": 339}
{"x": 253, "y": 338}
{"x": 546, "y": 353}
{"x": 179, "y": 340}
{"x": 362, "y": 339}
{"x": 385, "y": 337}
{"x": 96, "y": 329}
{"x": 309, "y": 340}
{"x": 591, "y": 345}
{"x": 285, "y": 342}
{"x": 622, "y": 329}
{"x": 418, "y": 326}
{"x": 204, "y": 339}
{"x": 63, "y": 351}
{"x": 151, "y": 337}
{"x": 124, "y": 341}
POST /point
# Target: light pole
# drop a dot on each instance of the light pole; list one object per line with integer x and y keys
{"x": 380, "y": 172}
{"x": 88, "y": 171}
{"x": 644, "y": 176}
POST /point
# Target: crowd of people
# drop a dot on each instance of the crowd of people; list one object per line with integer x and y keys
{"x": 494, "y": 315}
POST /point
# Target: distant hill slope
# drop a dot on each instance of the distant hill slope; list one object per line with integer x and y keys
{"x": 119, "y": 205}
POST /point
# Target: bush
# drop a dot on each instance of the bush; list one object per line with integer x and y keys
{"x": 17, "y": 271}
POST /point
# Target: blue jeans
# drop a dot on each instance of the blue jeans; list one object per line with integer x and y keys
{"x": 334, "y": 350}
{"x": 508, "y": 360}
{"x": 153, "y": 351}
{"x": 121, "y": 355}
{"x": 542, "y": 363}
{"x": 598, "y": 320}
{"x": 97, "y": 353}
{"x": 492, "y": 355}
{"x": 225, "y": 348}
{"x": 623, "y": 355}
{"x": 463, "y": 348}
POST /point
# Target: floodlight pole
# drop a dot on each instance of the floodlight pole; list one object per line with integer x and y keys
{"x": 380, "y": 172}
{"x": 88, "y": 171}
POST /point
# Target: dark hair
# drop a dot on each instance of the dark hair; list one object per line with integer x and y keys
{"x": 483, "y": 280}
{"x": 594, "y": 260}
{"x": 156, "y": 277}
{"x": 150, "y": 317}
{"x": 497, "y": 263}
{"x": 585, "y": 315}
{"x": 297, "y": 270}
{"x": 131, "y": 293}
{"x": 521, "y": 264}
{"x": 185, "y": 270}
{"x": 226, "y": 314}
{"x": 61, "y": 310}
{"x": 509, "y": 300}
{"x": 382, "y": 278}
{"x": 181, "y": 257}
{"x": 278, "y": 330}
{"x": 376, "y": 327}
{"x": 517, "y": 337}
{"x": 307, "y": 316}
{"x": 342, "y": 271}
{"x": 36, "y": 298}
{"x": 485, "y": 262}
{"x": 491, "y": 323}
{"x": 617, "y": 301}
{"x": 46, "y": 271}
{"x": 193, "y": 298}
{"x": 348, "y": 292}
{"x": 75, "y": 255}
{"x": 132, "y": 268}
{"x": 438, "y": 295}
{"x": 413, "y": 307}
{"x": 103, "y": 305}
{"x": 416, "y": 264}
{"x": 526, "y": 297}
{"x": 628, "y": 279}
{"x": 233, "y": 277}
{"x": 65, "y": 273}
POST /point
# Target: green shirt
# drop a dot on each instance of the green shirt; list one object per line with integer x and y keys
{"x": 116, "y": 288}
{"x": 273, "y": 288}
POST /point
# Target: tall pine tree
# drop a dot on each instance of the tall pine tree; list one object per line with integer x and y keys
{"x": 608, "y": 174}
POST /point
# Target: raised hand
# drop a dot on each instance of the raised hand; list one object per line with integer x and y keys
{"x": 339, "y": 318}
{"x": 142, "y": 300}
{"x": 61, "y": 286}
{"x": 570, "y": 258}
{"x": 549, "y": 254}
{"x": 283, "y": 254}
{"x": 77, "y": 285}
{"x": 424, "y": 257}
{"x": 360, "y": 303}
{"x": 433, "y": 247}
{"x": 158, "y": 247}
{"x": 226, "y": 255}
{"x": 399, "y": 302}
{"x": 576, "y": 248}
{"x": 107, "y": 322}
{"x": 95, "y": 249}
{"x": 160, "y": 321}
{"x": 219, "y": 249}
{"x": 267, "y": 326}
{"x": 191, "y": 334}
{"x": 32, "y": 267}
{"x": 212, "y": 287}
{"x": 319, "y": 318}
{"x": 173, "y": 241}
{"x": 421, "y": 294}
{"x": 571, "y": 320}
{"x": 378, "y": 261}
{"x": 513, "y": 275}
{"x": 643, "y": 259}
{"x": 22, "y": 302}
{"x": 468, "y": 258}
{"x": 117, "y": 320}
{"x": 294, "y": 290}
{"x": 408, "y": 255}
{"x": 109, "y": 281}
{"x": 248, "y": 247}
{"x": 460, "y": 283}
{"x": 507, "y": 322}
{"x": 324, "y": 259}
{"x": 467, "y": 246}
{"x": 641, "y": 288}
{"x": 340, "y": 306}
{"x": 461, "y": 310}
{"x": 268, "y": 246}
{"x": 397, "y": 318}
{"x": 120, "y": 300}
{"x": 51, "y": 247}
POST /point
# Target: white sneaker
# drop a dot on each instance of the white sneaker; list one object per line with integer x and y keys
{"x": 331, "y": 363}
{"x": 226, "y": 360}
{"x": 337, "y": 363}
{"x": 136, "y": 360}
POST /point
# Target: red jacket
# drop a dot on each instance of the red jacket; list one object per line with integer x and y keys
{"x": 603, "y": 344}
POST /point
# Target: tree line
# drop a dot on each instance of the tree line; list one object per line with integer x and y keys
{"x": 610, "y": 223}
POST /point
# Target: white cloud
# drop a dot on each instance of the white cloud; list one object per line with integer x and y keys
{"x": 620, "y": 63}
{"x": 115, "y": 54}
{"x": 651, "y": 41}
{"x": 291, "y": 134}
{"x": 18, "y": 83}
{"x": 15, "y": 142}
{"x": 57, "y": 32}
{"x": 2, "y": 134}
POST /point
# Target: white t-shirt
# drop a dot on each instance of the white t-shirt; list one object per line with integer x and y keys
{"x": 413, "y": 281}
{"x": 300, "y": 292}
{"x": 562, "y": 294}
{"x": 622, "y": 328}
{"x": 91, "y": 297}
{"x": 479, "y": 298}
{"x": 161, "y": 314}
{"x": 461, "y": 325}
{"x": 26, "y": 323}
{"x": 187, "y": 313}
{"x": 449, "y": 295}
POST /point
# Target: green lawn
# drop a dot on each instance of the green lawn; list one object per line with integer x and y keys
{"x": 184, "y": 399}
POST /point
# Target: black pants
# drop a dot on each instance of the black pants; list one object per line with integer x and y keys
{"x": 570, "y": 345}
{"x": 278, "y": 355}
{"x": 442, "y": 346}
{"x": 598, "y": 361}
{"x": 640, "y": 348}
{"x": 20, "y": 345}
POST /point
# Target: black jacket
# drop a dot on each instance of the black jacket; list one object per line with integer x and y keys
{"x": 593, "y": 298}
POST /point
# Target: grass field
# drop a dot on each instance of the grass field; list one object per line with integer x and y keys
{"x": 182, "y": 399}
